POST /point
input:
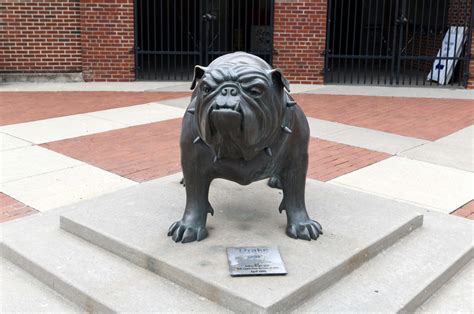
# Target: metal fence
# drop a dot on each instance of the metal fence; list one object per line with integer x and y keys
{"x": 171, "y": 36}
{"x": 399, "y": 42}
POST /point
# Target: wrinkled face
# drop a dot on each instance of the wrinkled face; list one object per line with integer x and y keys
{"x": 238, "y": 110}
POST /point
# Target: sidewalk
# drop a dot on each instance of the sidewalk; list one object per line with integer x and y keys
{"x": 62, "y": 143}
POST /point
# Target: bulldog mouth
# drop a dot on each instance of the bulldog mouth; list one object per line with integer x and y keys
{"x": 225, "y": 118}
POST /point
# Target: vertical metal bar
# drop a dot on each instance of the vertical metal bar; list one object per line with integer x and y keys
{"x": 389, "y": 38}
{"x": 332, "y": 40}
{"x": 340, "y": 44}
{"x": 381, "y": 40}
{"x": 328, "y": 38}
{"x": 428, "y": 36}
{"x": 449, "y": 40}
{"x": 245, "y": 27}
{"x": 141, "y": 42}
{"x": 232, "y": 26}
{"x": 413, "y": 44}
{"x": 175, "y": 56}
{"x": 421, "y": 40}
{"x": 436, "y": 36}
{"x": 147, "y": 47}
{"x": 181, "y": 40}
{"x": 135, "y": 36}
{"x": 272, "y": 24}
{"x": 395, "y": 46}
{"x": 346, "y": 47}
{"x": 400, "y": 40}
{"x": 367, "y": 42}
{"x": 154, "y": 41}
{"x": 353, "y": 37}
{"x": 360, "y": 39}
{"x": 403, "y": 55}
{"x": 374, "y": 36}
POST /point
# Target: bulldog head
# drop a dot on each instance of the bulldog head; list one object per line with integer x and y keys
{"x": 239, "y": 105}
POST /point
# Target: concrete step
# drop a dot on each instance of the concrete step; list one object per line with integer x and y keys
{"x": 22, "y": 293}
{"x": 133, "y": 224}
{"x": 94, "y": 279}
{"x": 457, "y": 296}
{"x": 402, "y": 277}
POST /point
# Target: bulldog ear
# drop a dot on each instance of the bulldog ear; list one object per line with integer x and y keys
{"x": 198, "y": 73}
{"x": 277, "y": 75}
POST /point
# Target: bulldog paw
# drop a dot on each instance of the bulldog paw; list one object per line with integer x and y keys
{"x": 181, "y": 232}
{"x": 306, "y": 230}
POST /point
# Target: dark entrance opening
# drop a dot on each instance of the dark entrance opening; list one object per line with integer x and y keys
{"x": 398, "y": 42}
{"x": 171, "y": 36}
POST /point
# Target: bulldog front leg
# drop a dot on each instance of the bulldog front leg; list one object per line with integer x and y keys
{"x": 192, "y": 227}
{"x": 299, "y": 225}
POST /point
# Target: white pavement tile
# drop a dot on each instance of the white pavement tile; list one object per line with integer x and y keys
{"x": 421, "y": 183}
{"x": 362, "y": 137}
{"x": 49, "y": 130}
{"x": 182, "y": 102}
{"x": 140, "y": 114}
{"x": 29, "y": 161}
{"x": 10, "y": 142}
{"x": 375, "y": 140}
{"x": 64, "y": 187}
{"x": 455, "y": 150}
{"x": 321, "y": 128}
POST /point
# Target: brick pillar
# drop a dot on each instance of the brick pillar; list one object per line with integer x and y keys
{"x": 107, "y": 40}
{"x": 299, "y": 39}
{"x": 470, "y": 82}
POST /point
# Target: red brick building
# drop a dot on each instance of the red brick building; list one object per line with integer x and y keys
{"x": 101, "y": 38}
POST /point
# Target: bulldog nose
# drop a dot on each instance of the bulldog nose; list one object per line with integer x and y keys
{"x": 229, "y": 90}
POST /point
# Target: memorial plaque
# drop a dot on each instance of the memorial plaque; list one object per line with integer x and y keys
{"x": 255, "y": 261}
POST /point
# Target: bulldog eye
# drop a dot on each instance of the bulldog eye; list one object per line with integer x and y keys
{"x": 255, "y": 91}
{"x": 206, "y": 89}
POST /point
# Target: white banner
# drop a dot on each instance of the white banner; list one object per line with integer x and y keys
{"x": 453, "y": 43}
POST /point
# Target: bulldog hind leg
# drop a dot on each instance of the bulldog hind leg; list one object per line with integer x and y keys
{"x": 192, "y": 227}
{"x": 299, "y": 224}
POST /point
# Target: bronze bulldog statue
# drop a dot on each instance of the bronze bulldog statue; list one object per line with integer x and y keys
{"x": 241, "y": 125}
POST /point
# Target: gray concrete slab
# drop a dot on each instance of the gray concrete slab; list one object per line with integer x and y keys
{"x": 361, "y": 137}
{"x": 424, "y": 184}
{"x": 455, "y": 150}
{"x": 402, "y": 277}
{"x": 22, "y": 293}
{"x": 96, "y": 280}
{"x": 323, "y": 128}
{"x": 457, "y": 296}
{"x": 177, "y": 102}
{"x": 133, "y": 224}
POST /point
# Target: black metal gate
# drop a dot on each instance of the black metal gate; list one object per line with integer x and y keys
{"x": 397, "y": 42}
{"x": 171, "y": 36}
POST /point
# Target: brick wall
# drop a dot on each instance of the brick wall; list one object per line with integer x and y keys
{"x": 107, "y": 37}
{"x": 40, "y": 36}
{"x": 299, "y": 39}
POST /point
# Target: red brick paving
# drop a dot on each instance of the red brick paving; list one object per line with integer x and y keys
{"x": 423, "y": 118}
{"x": 150, "y": 151}
{"x": 329, "y": 160}
{"x": 466, "y": 211}
{"x": 18, "y": 107}
{"x": 139, "y": 153}
{"x": 11, "y": 209}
